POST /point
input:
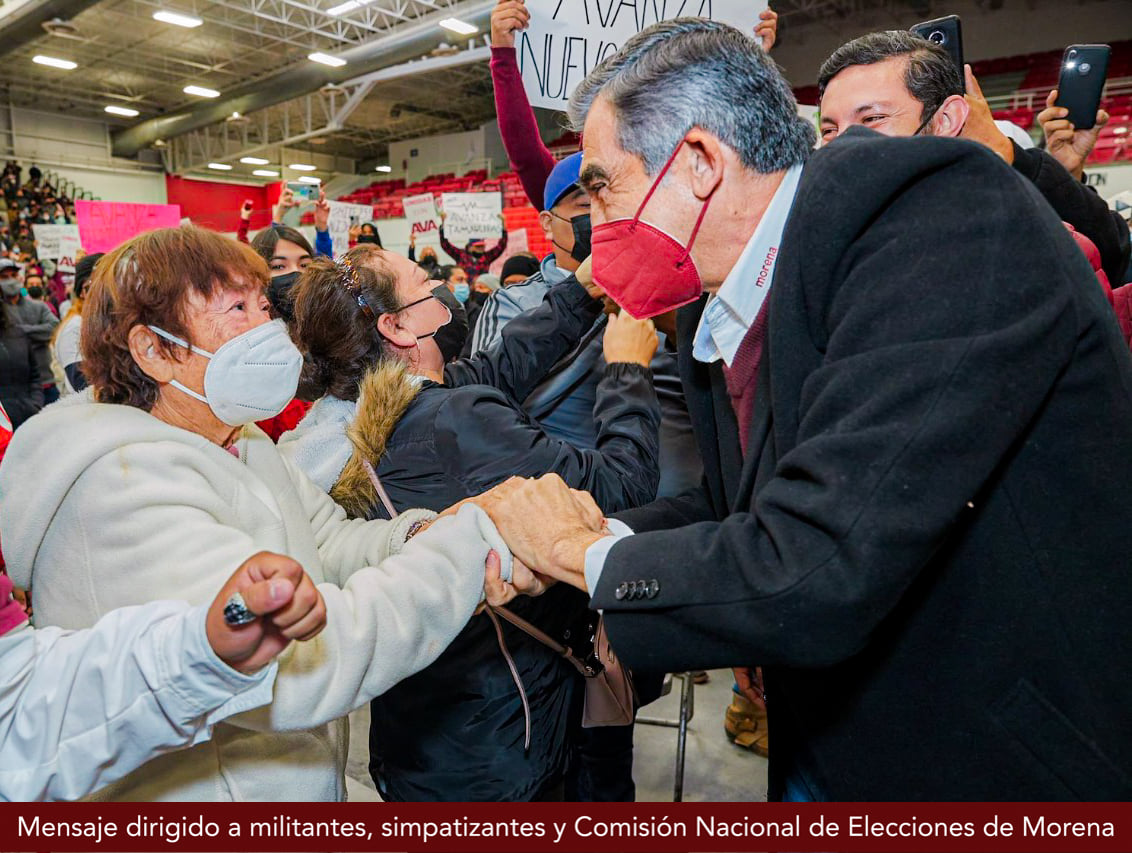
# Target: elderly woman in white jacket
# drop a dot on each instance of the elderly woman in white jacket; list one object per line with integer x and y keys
{"x": 156, "y": 484}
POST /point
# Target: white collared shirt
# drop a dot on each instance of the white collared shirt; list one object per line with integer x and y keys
{"x": 729, "y": 313}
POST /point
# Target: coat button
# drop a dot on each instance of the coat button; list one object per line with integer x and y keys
{"x": 622, "y": 591}
{"x": 653, "y": 588}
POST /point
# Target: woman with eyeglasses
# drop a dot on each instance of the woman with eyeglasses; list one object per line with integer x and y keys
{"x": 397, "y": 427}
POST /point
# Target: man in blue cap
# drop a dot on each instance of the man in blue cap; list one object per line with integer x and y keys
{"x": 565, "y": 220}
{"x": 564, "y": 402}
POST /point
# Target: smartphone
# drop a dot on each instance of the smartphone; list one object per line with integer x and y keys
{"x": 303, "y": 192}
{"x": 948, "y": 34}
{"x": 1079, "y": 88}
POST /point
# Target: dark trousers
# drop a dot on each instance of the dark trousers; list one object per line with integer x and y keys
{"x": 601, "y": 760}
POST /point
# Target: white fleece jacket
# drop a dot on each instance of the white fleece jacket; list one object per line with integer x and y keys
{"x": 103, "y": 506}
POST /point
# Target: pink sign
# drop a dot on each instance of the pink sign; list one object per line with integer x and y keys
{"x": 104, "y": 225}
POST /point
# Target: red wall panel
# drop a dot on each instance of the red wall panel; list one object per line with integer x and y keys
{"x": 217, "y": 206}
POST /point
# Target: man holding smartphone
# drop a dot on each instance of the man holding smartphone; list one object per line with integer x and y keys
{"x": 899, "y": 84}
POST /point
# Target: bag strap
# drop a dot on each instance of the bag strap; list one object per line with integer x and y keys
{"x": 533, "y": 632}
{"x": 380, "y": 489}
{"x": 514, "y": 675}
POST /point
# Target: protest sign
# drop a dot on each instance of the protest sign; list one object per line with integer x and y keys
{"x": 420, "y": 213}
{"x": 472, "y": 216}
{"x": 104, "y": 225}
{"x": 567, "y": 38}
{"x": 342, "y": 216}
{"x": 56, "y": 241}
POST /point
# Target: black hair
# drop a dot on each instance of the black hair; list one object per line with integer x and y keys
{"x": 446, "y": 271}
{"x": 266, "y": 240}
{"x": 931, "y": 76}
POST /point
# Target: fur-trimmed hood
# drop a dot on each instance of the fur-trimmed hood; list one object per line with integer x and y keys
{"x": 337, "y": 437}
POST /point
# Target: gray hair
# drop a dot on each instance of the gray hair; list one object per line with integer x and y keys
{"x": 692, "y": 72}
{"x": 931, "y": 76}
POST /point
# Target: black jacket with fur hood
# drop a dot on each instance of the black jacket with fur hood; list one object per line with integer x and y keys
{"x": 455, "y": 731}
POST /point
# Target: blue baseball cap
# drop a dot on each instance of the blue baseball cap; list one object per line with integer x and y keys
{"x": 563, "y": 180}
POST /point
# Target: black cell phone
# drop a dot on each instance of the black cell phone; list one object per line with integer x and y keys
{"x": 1083, "y": 70}
{"x": 948, "y": 34}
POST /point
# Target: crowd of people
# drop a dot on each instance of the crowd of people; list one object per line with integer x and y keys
{"x": 841, "y": 411}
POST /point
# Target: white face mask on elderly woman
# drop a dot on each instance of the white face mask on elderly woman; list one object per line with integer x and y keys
{"x": 251, "y": 377}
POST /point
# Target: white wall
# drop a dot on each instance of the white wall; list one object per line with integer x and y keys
{"x": 79, "y": 150}
{"x": 1110, "y": 180}
{"x": 137, "y": 187}
{"x": 449, "y": 152}
{"x": 1020, "y": 26}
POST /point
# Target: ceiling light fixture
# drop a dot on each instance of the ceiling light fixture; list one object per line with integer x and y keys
{"x": 303, "y": 167}
{"x": 458, "y": 26}
{"x": 326, "y": 59}
{"x": 186, "y": 21}
{"x": 265, "y": 173}
{"x": 384, "y": 169}
{"x": 348, "y": 6}
{"x": 220, "y": 167}
{"x": 307, "y": 179}
{"x": 201, "y": 91}
{"x": 64, "y": 64}
{"x": 121, "y": 111}
{"x": 254, "y": 161}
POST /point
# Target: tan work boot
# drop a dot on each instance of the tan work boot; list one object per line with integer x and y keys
{"x": 745, "y": 724}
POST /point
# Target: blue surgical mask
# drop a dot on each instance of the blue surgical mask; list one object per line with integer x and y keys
{"x": 462, "y": 292}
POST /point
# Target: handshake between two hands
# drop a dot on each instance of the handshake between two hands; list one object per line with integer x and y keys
{"x": 547, "y": 525}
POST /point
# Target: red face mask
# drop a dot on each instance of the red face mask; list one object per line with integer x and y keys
{"x": 641, "y": 268}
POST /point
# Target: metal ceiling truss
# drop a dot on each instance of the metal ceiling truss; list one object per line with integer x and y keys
{"x": 300, "y": 120}
{"x": 320, "y": 114}
{"x": 132, "y": 60}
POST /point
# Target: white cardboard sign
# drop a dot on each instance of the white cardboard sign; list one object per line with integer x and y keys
{"x": 472, "y": 216}
{"x": 59, "y": 243}
{"x": 420, "y": 211}
{"x": 566, "y": 39}
{"x": 342, "y": 216}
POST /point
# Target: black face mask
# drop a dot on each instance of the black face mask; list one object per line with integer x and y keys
{"x": 451, "y": 336}
{"x": 280, "y": 297}
{"x": 369, "y": 238}
{"x": 580, "y": 225}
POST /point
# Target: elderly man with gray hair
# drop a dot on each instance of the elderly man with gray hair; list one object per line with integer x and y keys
{"x": 894, "y": 357}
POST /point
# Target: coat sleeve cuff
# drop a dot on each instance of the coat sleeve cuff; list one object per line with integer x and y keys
{"x": 598, "y": 552}
{"x": 403, "y": 524}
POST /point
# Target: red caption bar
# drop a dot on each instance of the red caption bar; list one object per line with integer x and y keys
{"x": 586, "y": 828}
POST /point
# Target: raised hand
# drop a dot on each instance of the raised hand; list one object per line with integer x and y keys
{"x": 288, "y": 605}
{"x": 980, "y": 126}
{"x": 286, "y": 201}
{"x": 767, "y": 28}
{"x": 1065, "y": 143}
{"x": 322, "y": 212}
{"x": 507, "y": 18}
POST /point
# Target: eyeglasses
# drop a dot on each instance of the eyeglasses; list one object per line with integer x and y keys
{"x": 447, "y": 310}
